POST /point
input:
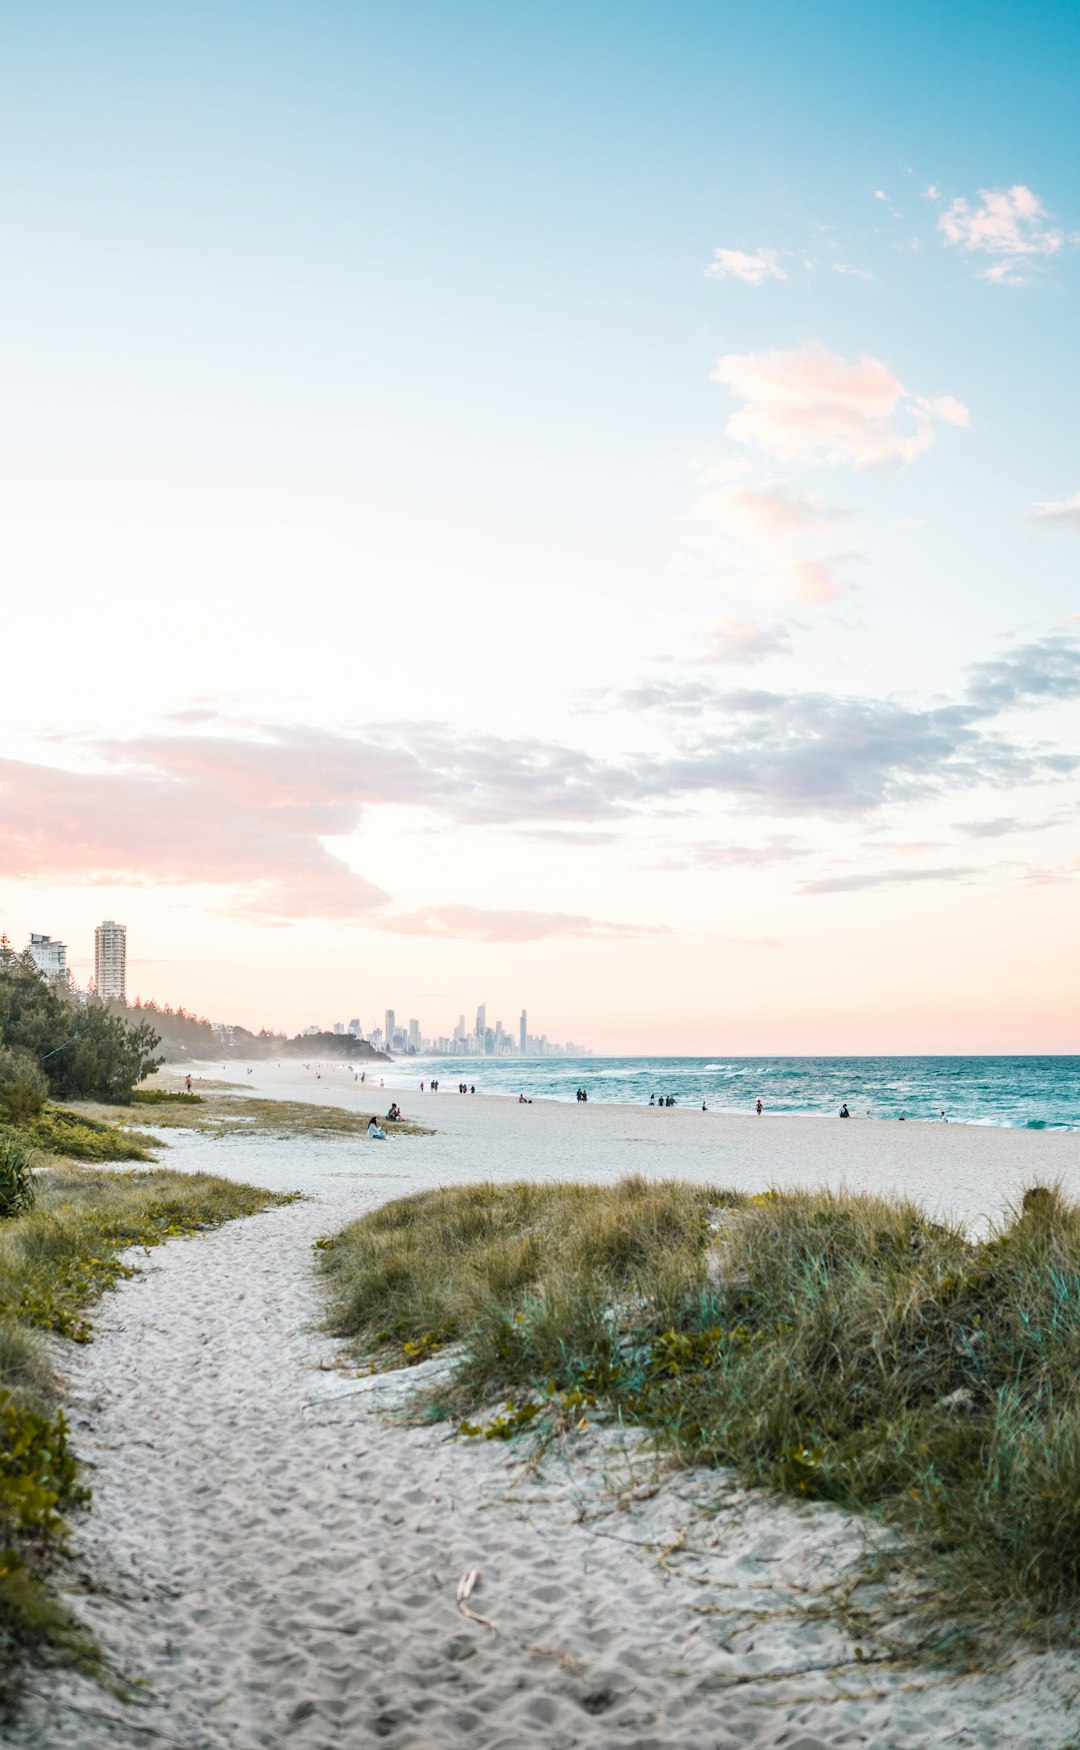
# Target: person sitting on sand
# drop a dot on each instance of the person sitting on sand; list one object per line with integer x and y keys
{"x": 844, "y": 1113}
{"x": 394, "y": 1114}
{"x": 375, "y": 1132}
{"x": 652, "y": 1099}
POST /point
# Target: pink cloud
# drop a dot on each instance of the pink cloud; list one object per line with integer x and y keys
{"x": 816, "y": 582}
{"x": 775, "y": 510}
{"x": 810, "y": 405}
{"x": 743, "y": 641}
{"x": 194, "y": 819}
{"x": 470, "y": 923}
{"x": 753, "y": 270}
{"x": 1009, "y": 223}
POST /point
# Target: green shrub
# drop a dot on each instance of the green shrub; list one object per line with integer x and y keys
{"x": 16, "y": 1178}
{"x": 23, "y": 1087}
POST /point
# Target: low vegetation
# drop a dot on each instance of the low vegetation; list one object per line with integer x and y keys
{"x": 221, "y": 1113}
{"x": 838, "y": 1347}
{"x": 59, "y": 1249}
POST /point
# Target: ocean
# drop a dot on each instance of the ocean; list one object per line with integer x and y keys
{"x": 1035, "y": 1093}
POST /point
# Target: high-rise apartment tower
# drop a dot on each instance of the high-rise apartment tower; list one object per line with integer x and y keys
{"x": 110, "y": 960}
{"x": 523, "y": 1034}
{"x": 48, "y": 956}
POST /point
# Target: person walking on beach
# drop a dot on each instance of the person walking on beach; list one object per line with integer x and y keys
{"x": 187, "y": 1084}
{"x": 759, "y": 1108}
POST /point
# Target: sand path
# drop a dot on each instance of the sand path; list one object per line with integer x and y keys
{"x": 283, "y": 1572}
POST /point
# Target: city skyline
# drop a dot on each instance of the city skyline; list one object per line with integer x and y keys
{"x": 595, "y": 524}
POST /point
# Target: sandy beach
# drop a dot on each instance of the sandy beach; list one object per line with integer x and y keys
{"x": 277, "y": 1562}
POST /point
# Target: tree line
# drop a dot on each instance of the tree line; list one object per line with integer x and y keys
{"x": 54, "y": 1045}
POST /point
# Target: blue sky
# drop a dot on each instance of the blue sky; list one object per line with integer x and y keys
{"x": 362, "y": 368}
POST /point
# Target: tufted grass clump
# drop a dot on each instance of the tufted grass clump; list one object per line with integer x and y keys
{"x": 56, "y": 1258}
{"x": 840, "y": 1347}
{"x": 16, "y": 1177}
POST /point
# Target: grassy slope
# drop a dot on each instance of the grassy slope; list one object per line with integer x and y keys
{"x": 54, "y": 1262}
{"x": 217, "y": 1111}
{"x": 841, "y": 1347}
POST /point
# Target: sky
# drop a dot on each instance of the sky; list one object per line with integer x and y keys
{"x": 574, "y": 508}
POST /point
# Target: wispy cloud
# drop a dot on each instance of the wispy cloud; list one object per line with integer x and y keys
{"x": 1007, "y": 223}
{"x": 736, "y": 642}
{"x": 883, "y": 878}
{"x": 781, "y": 536}
{"x": 753, "y": 270}
{"x": 470, "y": 923}
{"x": 1064, "y": 511}
{"x": 810, "y": 405}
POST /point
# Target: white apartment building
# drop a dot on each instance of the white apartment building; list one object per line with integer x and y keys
{"x": 110, "y": 960}
{"x": 48, "y": 956}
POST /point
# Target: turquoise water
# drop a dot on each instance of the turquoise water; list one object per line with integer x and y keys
{"x": 1040, "y": 1093}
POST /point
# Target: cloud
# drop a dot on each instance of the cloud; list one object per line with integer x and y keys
{"x": 470, "y": 923}
{"x": 719, "y": 855}
{"x": 932, "y": 193}
{"x": 190, "y": 818}
{"x": 753, "y": 270}
{"x": 252, "y": 809}
{"x": 1009, "y": 223}
{"x": 883, "y": 878}
{"x": 855, "y": 273}
{"x": 1006, "y": 824}
{"x": 753, "y": 513}
{"x": 828, "y": 754}
{"x": 816, "y": 581}
{"x": 810, "y": 405}
{"x": 735, "y": 642}
{"x": 778, "y": 533}
{"x": 1047, "y": 669}
{"x": 1063, "y": 511}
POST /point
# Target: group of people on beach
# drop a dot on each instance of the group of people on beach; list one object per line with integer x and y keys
{"x": 465, "y": 1087}
{"x": 582, "y": 1097}
{"x": 433, "y": 1087}
{"x": 664, "y": 1100}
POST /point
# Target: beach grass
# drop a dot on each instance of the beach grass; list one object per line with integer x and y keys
{"x": 58, "y": 1133}
{"x": 215, "y": 1111}
{"x": 837, "y": 1347}
{"x": 56, "y": 1258}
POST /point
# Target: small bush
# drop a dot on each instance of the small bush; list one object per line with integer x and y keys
{"x": 23, "y": 1088}
{"x": 16, "y": 1178}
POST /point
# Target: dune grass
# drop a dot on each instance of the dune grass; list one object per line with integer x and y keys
{"x": 217, "y": 1112}
{"x": 55, "y": 1260}
{"x": 58, "y": 1133}
{"x": 834, "y": 1346}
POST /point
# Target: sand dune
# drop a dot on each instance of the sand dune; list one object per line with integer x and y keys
{"x": 279, "y": 1561}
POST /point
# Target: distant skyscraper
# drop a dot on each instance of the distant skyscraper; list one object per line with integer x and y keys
{"x": 481, "y": 1021}
{"x": 110, "y": 960}
{"x": 414, "y": 1035}
{"x": 391, "y": 1029}
{"x": 48, "y": 956}
{"x": 354, "y": 1028}
{"x": 523, "y": 1033}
